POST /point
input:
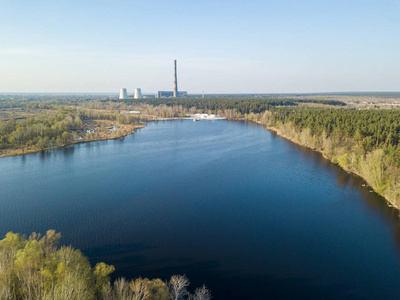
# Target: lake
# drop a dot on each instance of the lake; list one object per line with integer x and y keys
{"x": 229, "y": 204}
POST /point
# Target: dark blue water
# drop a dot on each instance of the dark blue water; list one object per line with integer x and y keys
{"x": 229, "y": 204}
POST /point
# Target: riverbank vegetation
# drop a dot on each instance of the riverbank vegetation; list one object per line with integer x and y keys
{"x": 364, "y": 142}
{"x": 36, "y": 268}
{"x": 37, "y": 127}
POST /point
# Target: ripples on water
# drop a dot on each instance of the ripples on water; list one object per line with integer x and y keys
{"x": 230, "y": 204}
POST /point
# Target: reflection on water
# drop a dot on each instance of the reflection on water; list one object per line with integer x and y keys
{"x": 374, "y": 202}
{"x": 229, "y": 204}
{"x": 44, "y": 154}
{"x": 68, "y": 151}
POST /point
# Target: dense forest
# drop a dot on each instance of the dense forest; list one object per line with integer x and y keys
{"x": 369, "y": 128}
{"x": 36, "y": 268}
{"x": 44, "y": 130}
{"x": 242, "y": 105}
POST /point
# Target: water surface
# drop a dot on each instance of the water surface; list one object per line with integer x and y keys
{"x": 229, "y": 204}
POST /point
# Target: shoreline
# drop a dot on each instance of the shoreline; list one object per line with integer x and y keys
{"x": 279, "y": 133}
{"x": 20, "y": 152}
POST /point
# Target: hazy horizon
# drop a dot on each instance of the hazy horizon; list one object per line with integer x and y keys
{"x": 131, "y": 93}
{"x": 222, "y": 47}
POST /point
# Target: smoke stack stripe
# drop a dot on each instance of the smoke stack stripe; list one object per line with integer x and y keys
{"x": 175, "y": 81}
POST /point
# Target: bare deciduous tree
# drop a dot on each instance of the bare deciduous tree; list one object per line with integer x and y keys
{"x": 36, "y": 268}
{"x": 178, "y": 287}
{"x": 139, "y": 289}
{"x": 202, "y": 293}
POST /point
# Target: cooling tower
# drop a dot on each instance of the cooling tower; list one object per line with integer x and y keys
{"x": 175, "y": 82}
{"x": 138, "y": 93}
{"x": 123, "y": 94}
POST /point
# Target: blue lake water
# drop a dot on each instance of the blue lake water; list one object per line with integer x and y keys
{"x": 229, "y": 204}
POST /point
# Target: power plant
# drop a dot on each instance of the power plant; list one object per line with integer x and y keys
{"x": 175, "y": 93}
{"x": 123, "y": 94}
{"x": 161, "y": 94}
{"x": 138, "y": 93}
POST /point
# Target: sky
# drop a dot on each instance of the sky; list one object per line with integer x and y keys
{"x": 228, "y": 46}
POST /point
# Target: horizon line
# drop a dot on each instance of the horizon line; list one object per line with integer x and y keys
{"x": 201, "y": 93}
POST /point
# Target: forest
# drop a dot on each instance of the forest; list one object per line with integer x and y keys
{"x": 37, "y": 268}
{"x": 34, "y": 127}
{"x": 242, "y": 105}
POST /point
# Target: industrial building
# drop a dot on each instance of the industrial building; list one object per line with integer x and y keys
{"x": 182, "y": 94}
{"x": 161, "y": 94}
{"x": 123, "y": 94}
{"x": 169, "y": 94}
{"x": 165, "y": 94}
{"x": 138, "y": 93}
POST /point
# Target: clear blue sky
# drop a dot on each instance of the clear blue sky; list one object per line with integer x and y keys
{"x": 221, "y": 46}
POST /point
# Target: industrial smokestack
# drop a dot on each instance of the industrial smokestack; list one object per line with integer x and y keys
{"x": 123, "y": 94}
{"x": 175, "y": 82}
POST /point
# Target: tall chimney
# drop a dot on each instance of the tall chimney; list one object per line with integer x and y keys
{"x": 175, "y": 81}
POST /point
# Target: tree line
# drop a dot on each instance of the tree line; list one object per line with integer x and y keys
{"x": 242, "y": 105}
{"x": 52, "y": 127}
{"x": 37, "y": 268}
{"x": 365, "y": 142}
{"x": 368, "y": 129}
{"x": 46, "y": 129}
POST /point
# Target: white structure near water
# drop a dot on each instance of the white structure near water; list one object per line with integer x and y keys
{"x": 138, "y": 93}
{"x": 123, "y": 94}
{"x": 196, "y": 117}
